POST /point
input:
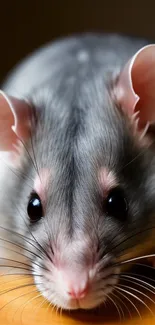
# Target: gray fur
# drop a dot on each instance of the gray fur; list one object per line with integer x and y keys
{"x": 80, "y": 129}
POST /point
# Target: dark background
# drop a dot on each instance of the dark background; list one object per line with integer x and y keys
{"x": 25, "y": 25}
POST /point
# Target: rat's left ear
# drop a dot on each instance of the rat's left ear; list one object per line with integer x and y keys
{"x": 135, "y": 89}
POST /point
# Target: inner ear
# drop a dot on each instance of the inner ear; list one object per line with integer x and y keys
{"x": 15, "y": 121}
{"x": 135, "y": 88}
{"x": 143, "y": 80}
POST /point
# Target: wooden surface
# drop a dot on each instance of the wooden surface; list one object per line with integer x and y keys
{"x": 24, "y": 307}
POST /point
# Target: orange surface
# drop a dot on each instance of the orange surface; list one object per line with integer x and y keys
{"x": 24, "y": 306}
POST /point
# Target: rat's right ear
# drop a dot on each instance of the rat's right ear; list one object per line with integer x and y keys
{"x": 14, "y": 122}
{"x": 135, "y": 87}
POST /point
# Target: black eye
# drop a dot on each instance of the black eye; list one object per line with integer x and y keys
{"x": 116, "y": 204}
{"x": 34, "y": 208}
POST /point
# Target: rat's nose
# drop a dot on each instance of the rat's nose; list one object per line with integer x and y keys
{"x": 78, "y": 292}
{"x": 76, "y": 284}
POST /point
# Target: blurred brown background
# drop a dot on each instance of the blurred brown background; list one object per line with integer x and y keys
{"x": 25, "y": 25}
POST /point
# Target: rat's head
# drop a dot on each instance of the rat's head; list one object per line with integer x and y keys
{"x": 91, "y": 195}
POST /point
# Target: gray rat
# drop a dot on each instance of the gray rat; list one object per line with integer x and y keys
{"x": 78, "y": 164}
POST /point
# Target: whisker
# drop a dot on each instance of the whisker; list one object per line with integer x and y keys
{"x": 15, "y": 267}
{"x": 125, "y": 240}
{"x": 17, "y": 233}
{"x": 19, "y": 268}
{"x": 145, "y": 286}
{"x": 41, "y": 248}
{"x": 142, "y": 293}
{"x": 16, "y": 288}
{"x": 60, "y": 312}
{"x": 130, "y": 237}
{"x": 139, "y": 275}
{"x": 129, "y": 273}
{"x": 49, "y": 237}
{"x": 40, "y": 305}
{"x": 128, "y": 310}
{"x": 17, "y": 173}
{"x": 135, "y": 158}
{"x": 13, "y": 318}
{"x": 105, "y": 252}
{"x": 18, "y": 262}
{"x": 21, "y": 274}
{"x": 10, "y": 260}
{"x": 134, "y": 296}
{"x": 34, "y": 156}
{"x": 14, "y": 299}
{"x": 30, "y": 259}
{"x": 27, "y": 303}
{"x": 117, "y": 290}
{"x": 19, "y": 246}
{"x": 132, "y": 262}
{"x": 57, "y": 310}
{"x": 53, "y": 308}
{"x": 118, "y": 298}
{"x": 137, "y": 258}
{"x": 15, "y": 251}
{"x": 16, "y": 279}
{"x": 29, "y": 155}
{"x": 116, "y": 306}
{"x": 49, "y": 305}
{"x": 144, "y": 265}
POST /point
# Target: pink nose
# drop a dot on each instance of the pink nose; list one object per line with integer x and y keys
{"x": 78, "y": 293}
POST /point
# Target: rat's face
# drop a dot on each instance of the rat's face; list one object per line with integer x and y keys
{"x": 89, "y": 200}
{"x": 89, "y": 195}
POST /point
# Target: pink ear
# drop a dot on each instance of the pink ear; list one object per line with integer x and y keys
{"x": 14, "y": 121}
{"x": 135, "y": 90}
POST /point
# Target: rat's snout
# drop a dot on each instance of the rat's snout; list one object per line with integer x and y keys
{"x": 77, "y": 278}
{"x": 74, "y": 269}
{"x": 76, "y": 285}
